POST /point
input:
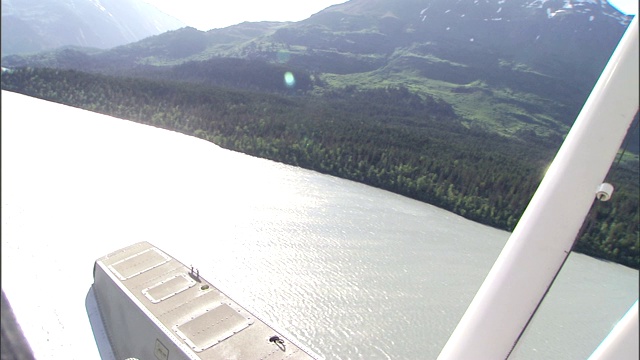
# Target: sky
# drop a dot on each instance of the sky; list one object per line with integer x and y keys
{"x": 208, "y": 14}
{"x": 625, "y": 6}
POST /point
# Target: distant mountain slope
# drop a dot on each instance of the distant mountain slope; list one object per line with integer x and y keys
{"x": 30, "y": 26}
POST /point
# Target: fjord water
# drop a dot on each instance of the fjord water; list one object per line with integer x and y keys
{"x": 351, "y": 271}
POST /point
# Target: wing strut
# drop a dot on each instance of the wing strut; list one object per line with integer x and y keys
{"x": 544, "y": 236}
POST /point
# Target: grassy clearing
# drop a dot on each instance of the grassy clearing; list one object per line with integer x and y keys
{"x": 502, "y": 110}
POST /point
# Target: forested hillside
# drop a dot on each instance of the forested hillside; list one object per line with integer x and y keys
{"x": 391, "y": 138}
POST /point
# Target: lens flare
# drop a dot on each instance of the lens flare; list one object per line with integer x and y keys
{"x": 289, "y": 80}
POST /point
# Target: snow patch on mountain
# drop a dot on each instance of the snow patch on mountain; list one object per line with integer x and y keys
{"x": 98, "y": 5}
